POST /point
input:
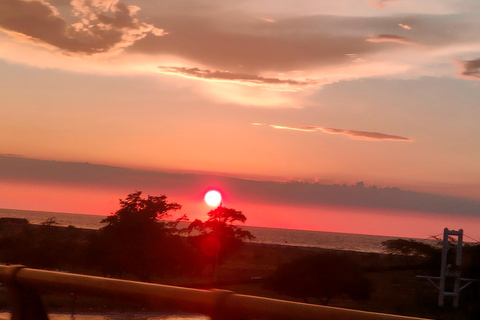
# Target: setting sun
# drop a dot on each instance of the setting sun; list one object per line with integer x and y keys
{"x": 213, "y": 198}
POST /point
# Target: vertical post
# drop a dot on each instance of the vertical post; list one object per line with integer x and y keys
{"x": 443, "y": 268}
{"x": 459, "y": 246}
{"x": 74, "y": 304}
{"x": 219, "y": 310}
{"x": 458, "y": 264}
{"x": 25, "y": 303}
{"x": 215, "y": 269}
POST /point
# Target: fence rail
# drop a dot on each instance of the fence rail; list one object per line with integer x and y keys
{"x": 24, "y": 285}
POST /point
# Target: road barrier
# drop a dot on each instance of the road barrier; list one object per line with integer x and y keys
{"x": 25, "y": 284}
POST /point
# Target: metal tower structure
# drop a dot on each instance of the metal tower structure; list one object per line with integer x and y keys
{"x": 450, "y": 269}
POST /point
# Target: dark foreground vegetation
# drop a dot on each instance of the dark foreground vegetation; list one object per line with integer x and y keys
{"x": 138, "y": 243}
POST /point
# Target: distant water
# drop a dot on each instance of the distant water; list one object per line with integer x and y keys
{"x": 85, "y": 221}
{"x": 303, "y": 238}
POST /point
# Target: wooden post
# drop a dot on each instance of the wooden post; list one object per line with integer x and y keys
{"x": 443, "y": 268}
{"x": 458, "y": 264}
{"x": 25, "y": 303}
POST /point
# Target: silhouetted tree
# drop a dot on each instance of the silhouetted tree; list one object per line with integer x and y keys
{"x": 321, "y": 276}
{"x": 409, "y": 247}
{"x": 431, "y": 255}
{"x": 219, "y": 235}
{"x": 137, "y": 239}
{"x": 52, "y": 221}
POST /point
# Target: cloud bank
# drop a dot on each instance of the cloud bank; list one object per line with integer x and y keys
{"x": 227, "y": 43}
{"x": 253, "y": 45}
{"x": 43, "y": 172}
{"x": 353, "y": 134}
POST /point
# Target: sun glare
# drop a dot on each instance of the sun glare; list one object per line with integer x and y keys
{"x": 213, "y": 198}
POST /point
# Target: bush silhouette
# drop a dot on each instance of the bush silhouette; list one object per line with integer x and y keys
{"x": 322, "y": 276}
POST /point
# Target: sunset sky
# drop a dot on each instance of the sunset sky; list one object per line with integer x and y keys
{"x": 346, "y": 115}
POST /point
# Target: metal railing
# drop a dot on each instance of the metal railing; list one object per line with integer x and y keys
{"x": 24, "y": 285}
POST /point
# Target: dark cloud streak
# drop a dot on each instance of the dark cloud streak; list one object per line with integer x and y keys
{"x": 304, "y": 194}
{"x": 354, "y": 134}
{"x": 365, "y": 134}
{"x": 233, "y": 77}
{"x": 471, "y": 69}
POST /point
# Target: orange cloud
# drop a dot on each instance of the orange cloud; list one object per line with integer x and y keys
{"x": 404, "y": 26}
{"x": 302, "y": 128}
{"x": 380, "y": 4}
{"x": 388, "y": 38}
{"x": 268, "y": 20}
{"x": 101, "y": 26}
{"x": 242, "y": 78}
{"x": 353, "y": 134}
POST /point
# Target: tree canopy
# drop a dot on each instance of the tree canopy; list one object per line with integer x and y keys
{"x": 219, "y": 234}
{"x": 135, "y": 209}
{"x": 137, "y": 239}
{"x": 410, "y": 247}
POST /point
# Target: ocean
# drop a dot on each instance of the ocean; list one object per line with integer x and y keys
{"x": 271, "y": 236}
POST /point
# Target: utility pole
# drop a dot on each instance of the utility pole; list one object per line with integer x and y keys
{"x": 450, "y": 270}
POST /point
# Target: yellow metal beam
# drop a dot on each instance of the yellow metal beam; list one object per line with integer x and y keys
{"x": 218, "y": 304}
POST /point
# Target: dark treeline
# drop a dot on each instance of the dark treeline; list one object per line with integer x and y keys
{"x": 136, "y": 241}
{"x": 322, "y": 277}
{"x": 136, "y": 245}
{"x": 142, "y": 241}
{"x": 44, "y": 246}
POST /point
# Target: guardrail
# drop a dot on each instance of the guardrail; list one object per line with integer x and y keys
{"x": 24, "y": 285}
